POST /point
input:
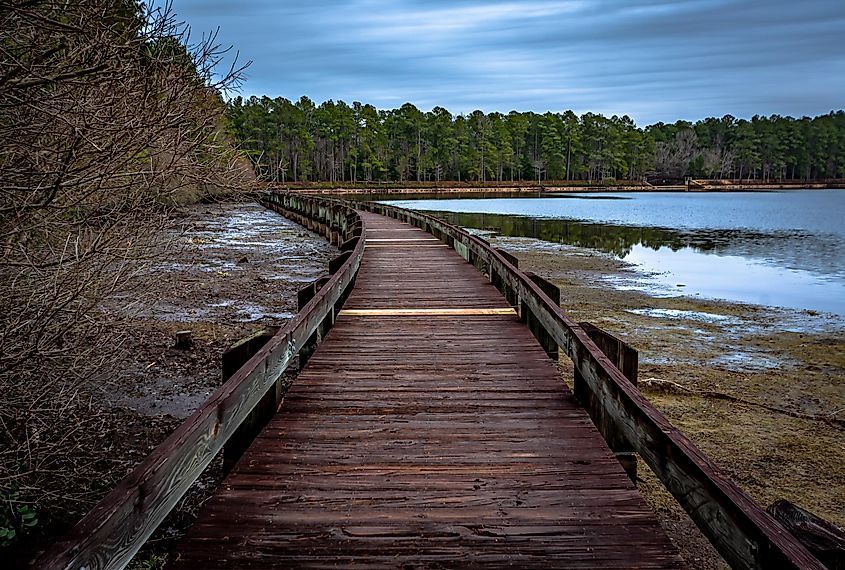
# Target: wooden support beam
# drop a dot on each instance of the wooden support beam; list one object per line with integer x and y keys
{"x": 336, "y": 263}
{"x": 512, "y": 259}
{"x": 303, "y": 297}
{"x": 626, "y": 360}
{"x": 620, "y": 353}
{"x": 349, "y": 244}
{"x": 546, "y": 286}
{"x": 305, "y": 294}
{"x": 543, "y": 336}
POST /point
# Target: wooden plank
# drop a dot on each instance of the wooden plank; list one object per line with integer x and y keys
{"x": 374, "y": 240}
{"x": 425, "y": 312}
{"x": 822, "y": 538}
{"x": 420, "y": 245}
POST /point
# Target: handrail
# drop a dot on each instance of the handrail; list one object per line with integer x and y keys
{"x": 116, "y": 528}
{"x": 744, "y": 534}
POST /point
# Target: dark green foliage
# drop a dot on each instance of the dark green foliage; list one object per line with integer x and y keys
{"x": 16, "y": 518}
{"x": 334, "y": 142}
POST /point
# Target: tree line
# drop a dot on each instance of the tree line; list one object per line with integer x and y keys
{"x": 294, "y": 141}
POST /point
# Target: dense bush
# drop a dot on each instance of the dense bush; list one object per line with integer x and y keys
{"x": 108, "y": 116}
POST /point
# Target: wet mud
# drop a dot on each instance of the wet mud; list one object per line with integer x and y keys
{"x": 235, "y": 269}
{"x": 784, "y": 439}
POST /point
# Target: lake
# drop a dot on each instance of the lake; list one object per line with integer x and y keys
{"x": 780, "y": 248}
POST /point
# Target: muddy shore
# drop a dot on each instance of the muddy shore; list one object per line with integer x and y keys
{"x": 236, "y": 270}
{"x": 784, "y": 439}
{"x": 231, "y": 270}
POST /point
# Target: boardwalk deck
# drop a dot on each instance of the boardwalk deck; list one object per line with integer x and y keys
{"x": 434, "y": 440}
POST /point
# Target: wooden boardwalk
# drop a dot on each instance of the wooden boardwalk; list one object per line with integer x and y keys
{"x": 428, "y": 430}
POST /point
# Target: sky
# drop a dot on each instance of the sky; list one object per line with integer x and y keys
{"x": 653, "y": 60}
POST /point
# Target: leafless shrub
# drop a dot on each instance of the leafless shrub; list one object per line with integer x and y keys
{"x": 673, "y": 157}
{"x": 109, "y": 115}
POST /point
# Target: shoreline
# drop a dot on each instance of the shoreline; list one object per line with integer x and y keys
{"x": 764, "y": 403}
{"x": 549, "y": 188}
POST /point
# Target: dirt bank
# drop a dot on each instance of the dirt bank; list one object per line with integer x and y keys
{"x": 237, "y": 270}
{"x": 789, "y": 361}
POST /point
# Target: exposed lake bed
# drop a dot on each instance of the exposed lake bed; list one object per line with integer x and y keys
{"x": 234, "y": 269}
{"x": 775, "y": 432}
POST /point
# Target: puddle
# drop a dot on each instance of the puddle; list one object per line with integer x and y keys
{"x": 660, "y": 360}
{"x": 248, "y": 313}
{"x": 698, "y": 316}
{"x": 749, "y": 361}
{"x": 158, "y": 395}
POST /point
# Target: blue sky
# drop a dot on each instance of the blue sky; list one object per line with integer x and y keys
{"x": 654, "y": 60}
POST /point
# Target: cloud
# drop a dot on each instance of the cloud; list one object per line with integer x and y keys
{"x": 651, "y": 59}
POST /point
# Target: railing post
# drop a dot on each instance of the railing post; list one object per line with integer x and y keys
{"x": 509, "y": 292}
{"x": 626, "y": 360}
{"x": 545, "y": 339}
{"x": 232, "y": 360}
{"x": 349, "y": 244}
{"x": 823, "y": 539}
{"x": 336, "y": 263}
{"x": 303, "y": 296}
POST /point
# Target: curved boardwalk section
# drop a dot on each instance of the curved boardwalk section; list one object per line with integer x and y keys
{"x": 429, "y": 429}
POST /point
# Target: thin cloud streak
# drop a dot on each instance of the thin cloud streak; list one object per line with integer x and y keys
{"x": 655, "y": 60}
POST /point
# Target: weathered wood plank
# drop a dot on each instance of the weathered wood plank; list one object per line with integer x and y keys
{"x": 824, "y": 539}
{"x": 232, "y": 360}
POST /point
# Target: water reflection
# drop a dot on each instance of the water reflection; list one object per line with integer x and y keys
{"x": 736, "y": 278}
{"x": 610, "y": 238}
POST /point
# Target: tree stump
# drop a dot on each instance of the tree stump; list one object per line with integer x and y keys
{"x": 184, "y": 340}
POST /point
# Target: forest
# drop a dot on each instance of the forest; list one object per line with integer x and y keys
{"x": 335, "y": 142}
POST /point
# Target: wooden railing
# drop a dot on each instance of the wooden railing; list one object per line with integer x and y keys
{"x": 117, "y": 527}
{"x": 744, "y": 534}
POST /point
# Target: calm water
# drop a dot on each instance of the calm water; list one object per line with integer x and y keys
{"x": 771, "y": 248}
